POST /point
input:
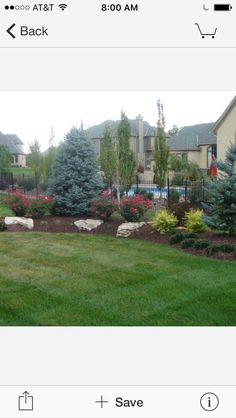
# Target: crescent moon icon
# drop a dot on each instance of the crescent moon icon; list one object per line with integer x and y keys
{"x": 205, "y": 8}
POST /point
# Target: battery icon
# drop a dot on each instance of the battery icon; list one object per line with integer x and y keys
{"x": 222, "y": 7}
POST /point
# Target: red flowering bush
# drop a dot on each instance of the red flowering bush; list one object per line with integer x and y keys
{"x": 103, "y": 206}
{"x": 134, "y": 207}
{"x": 36, "y": 207}
{"x": 40, "y": 206}
{"x": 18, "y": 203}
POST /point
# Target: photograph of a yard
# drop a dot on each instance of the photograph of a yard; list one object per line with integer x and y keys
{"x": 113, "y": 219}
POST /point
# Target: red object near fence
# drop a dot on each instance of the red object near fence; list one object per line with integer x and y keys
{"x": 213, "y": 167}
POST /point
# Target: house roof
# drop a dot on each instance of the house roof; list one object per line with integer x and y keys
{"x": 190, "y": 138}
{"x": 12, "y": 142}
{"x": 224, "y": 115}
{"x": 97, "y": 131}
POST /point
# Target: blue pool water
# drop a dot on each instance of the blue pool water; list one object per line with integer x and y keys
{"x": 155, "y": 191}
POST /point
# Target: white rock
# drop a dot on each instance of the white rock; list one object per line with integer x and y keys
{"x": 26, "y": 222}
{"x": 126, "y": 229}
{"x": 88, "y": 224}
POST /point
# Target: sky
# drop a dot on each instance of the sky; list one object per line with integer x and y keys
{"x": 31, "y": 115}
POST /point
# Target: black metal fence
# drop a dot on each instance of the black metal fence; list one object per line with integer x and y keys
{"x": 29, "y": 185}
{"x": 193, "y": 191}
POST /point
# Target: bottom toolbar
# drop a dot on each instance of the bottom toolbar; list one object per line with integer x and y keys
{"x": 117, "y": 401}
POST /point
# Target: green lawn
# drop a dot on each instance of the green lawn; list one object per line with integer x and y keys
{"x": 76, "y": 279}
{"x": 4, "y": 211}
{"x": 19, "y": 171}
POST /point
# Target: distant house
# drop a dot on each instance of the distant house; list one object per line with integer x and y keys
{"x": 195, "y": 143}
{"x": 15, "y": 147}
{"x": 225, "y": 129}
{"x": 141, "y": 140}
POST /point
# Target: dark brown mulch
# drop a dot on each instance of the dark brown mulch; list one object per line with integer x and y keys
{"x": 63, "y": 224}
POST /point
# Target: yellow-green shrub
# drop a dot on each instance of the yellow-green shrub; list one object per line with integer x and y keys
{"x": 164, "y": 222}
{"x": 194, "y": 221}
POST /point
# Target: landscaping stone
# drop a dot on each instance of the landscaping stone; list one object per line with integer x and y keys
{"x": 126, "y": 229}
{"x": 25, "y": 222}
{"x": 88, "y": 224}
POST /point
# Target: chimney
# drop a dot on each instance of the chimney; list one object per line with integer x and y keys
{"x": 140, "y": 139}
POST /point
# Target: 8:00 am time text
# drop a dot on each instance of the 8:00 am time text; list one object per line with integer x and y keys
{"x": 105, "y": 7}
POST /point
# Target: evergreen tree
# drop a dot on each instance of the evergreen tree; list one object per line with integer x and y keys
{"x": 222, "y": 195}
{"x": 76, "y": 179}
{"x": 161, "y": 151}
{"x": 108, "y": 158}
{"x": 5, "y": 159}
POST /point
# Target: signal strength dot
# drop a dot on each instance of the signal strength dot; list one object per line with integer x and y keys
{"x": 63, "y": 6}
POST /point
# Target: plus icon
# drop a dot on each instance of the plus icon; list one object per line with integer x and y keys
{"x": 101, "y": 401}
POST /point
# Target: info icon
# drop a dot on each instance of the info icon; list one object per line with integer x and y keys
{"x": 209, "y": 401}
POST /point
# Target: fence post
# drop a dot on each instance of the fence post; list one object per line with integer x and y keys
{"x": 168, "y": 190}
{"x": 137, "y": 183}
{"x": 186, "y": 190}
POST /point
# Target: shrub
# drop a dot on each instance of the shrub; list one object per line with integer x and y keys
{"x": 40, "y": 206}
{"x": 227, "y": 248}
{"x": 212, "y": 249}
{"x": 178, "y": 179}
{"x": 18, "y": 203}
{"x": 191, "y": 235}
{"x": 194, "y": 221}
{"x": 164, "y": 222}
{"x": 28, "y": 183}
{"x": 179, "y": 210}
{"x": 134, "y": 207}
{"x": 201, "y": 244}
{"x": 103, "y": 207}
{"x": 146, "y": 194}
{"x": 216, "y": 248}
{"x": 176, "y": 238}
{"x": 174, "y": 196}
{"x": 187, "y": 243}
{"x": 3, "y": 226}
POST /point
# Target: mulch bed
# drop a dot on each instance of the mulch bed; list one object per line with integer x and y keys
{"x": 62, "y": 224}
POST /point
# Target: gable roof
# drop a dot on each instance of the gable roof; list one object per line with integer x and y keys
{"x": 12, "y": 142}
{"x": 190, "y": 138}
{"x": 224, "y": 115}
{"x": 97, "y": 131}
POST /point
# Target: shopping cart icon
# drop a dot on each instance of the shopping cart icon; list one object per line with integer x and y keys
{"x": 203, "y": 35}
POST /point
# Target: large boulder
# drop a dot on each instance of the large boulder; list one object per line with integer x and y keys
{"x": 88, "y": 224}
{"x": 126, "y": 229}
{"x": 25, "y": 222}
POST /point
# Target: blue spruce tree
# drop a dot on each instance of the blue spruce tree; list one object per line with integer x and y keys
{"x": 76, "y": 179}
{"x": 222, "y": 195}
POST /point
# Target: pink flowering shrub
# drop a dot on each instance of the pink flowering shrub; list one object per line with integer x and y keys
{"x": 134, "y": 207}
{"x": 40, "y": 206}
{"x": 103, "y": 206}
{"x": 18, "y": 203}
{"x": 21, "y": 205}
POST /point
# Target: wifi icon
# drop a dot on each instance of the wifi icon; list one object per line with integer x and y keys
{"x": 63, "y": 6}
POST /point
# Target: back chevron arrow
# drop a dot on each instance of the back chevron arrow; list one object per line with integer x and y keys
{"x": 9, "y": 31}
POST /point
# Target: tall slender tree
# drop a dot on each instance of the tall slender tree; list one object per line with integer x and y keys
{"x": 161, "y": 151}
{"x": 126, "y": 158}
{"x": 108, "y": 157}
{"x": 5, "y": 159}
